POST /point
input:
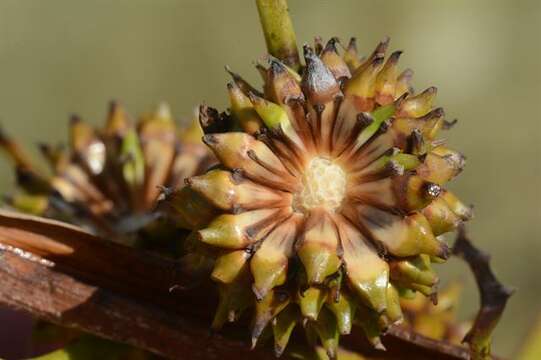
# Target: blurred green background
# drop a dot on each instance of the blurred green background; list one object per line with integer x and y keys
{"x": 58, "y": 57}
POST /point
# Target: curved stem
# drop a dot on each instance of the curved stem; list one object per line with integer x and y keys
{"x": 278, "y": 31}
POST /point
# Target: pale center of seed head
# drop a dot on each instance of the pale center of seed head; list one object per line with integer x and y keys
{"x": 324, "y": 185}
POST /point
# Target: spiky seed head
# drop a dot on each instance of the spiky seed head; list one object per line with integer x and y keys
{"x": 110, "y": 178}
{"x": 330, "y": 194}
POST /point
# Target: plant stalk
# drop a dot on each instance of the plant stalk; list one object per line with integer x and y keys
{"x": 278, "y": 30}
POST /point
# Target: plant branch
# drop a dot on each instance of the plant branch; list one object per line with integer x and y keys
{"x": 278, "y": 30}
{"x": 67, "y": 276}
{"x": 494, "y": 296}
{"x": 62, "y": 299}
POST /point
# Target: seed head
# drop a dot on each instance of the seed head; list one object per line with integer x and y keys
{"x": 329, "y": 195}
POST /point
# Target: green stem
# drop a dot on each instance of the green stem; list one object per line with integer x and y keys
{"x": 278, "y": 30}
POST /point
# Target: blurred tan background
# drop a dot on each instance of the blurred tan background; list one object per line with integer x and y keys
{"x": 63, "y": 56}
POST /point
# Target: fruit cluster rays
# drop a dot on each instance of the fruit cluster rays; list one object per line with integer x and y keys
{"x": 328, "y": 199}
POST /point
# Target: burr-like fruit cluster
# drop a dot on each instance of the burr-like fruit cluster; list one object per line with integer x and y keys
{"x": 108, "y": 179}
{"x": 328, "y": 199}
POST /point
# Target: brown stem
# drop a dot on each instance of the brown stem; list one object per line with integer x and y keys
{"x": 494, "y": 296}
{"x": 62, "y": 274}
{"x": 62, "y": 299}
